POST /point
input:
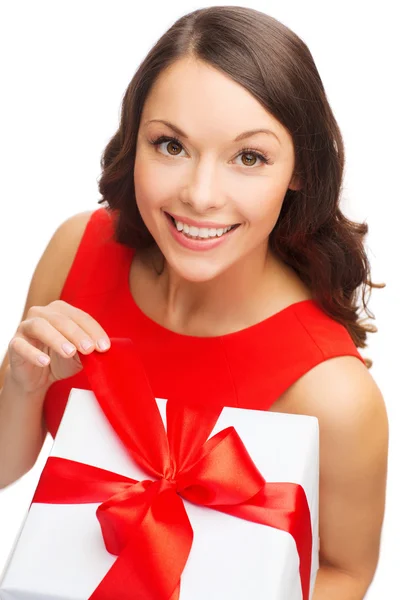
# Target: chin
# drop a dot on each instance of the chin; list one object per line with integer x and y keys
{"x": 193, "y": 270}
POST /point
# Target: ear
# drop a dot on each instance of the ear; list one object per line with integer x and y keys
{"x": 295, "y": 183}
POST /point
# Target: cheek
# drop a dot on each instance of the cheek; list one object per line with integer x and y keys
{"x": 263, "y": 209}
{"x": 149, "y": 190}
{"x": 150, "y": 184}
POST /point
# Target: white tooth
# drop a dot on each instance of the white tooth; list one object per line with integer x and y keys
{"x": 203, "y": 232}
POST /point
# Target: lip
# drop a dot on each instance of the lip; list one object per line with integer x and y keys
{"x": 198, "y": 244}
{"x": 199, "y": 224}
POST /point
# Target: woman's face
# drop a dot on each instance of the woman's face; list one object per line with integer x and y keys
{"x": 206, "y": 175}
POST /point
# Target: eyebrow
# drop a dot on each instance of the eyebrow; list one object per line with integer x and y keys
{"x": 241, "y": 136}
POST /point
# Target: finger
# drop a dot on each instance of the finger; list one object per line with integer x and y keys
{"x": 20, "y": 347}
{"x": 91, "y": 328}
{"x": 39, "y": 328}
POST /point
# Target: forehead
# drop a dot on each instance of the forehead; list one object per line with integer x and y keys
{"x": 202, "y": 98}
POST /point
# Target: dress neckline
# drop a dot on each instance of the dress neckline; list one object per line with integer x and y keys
{"x": 299, "y": 305}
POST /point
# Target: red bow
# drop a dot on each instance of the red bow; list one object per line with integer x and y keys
{"x": 145, "y": 523}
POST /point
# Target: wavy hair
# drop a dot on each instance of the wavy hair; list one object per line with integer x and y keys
{"x": 311, "y": 235}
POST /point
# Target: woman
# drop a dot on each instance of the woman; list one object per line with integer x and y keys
{"x": 266, "y": 311}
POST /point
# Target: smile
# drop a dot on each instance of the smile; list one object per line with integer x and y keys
{"x": 189, "y": 237}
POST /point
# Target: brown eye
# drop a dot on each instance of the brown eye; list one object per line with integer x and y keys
{"x": 249, "y": 161}
{"x": 174, "y": 145}
{"x": 253, "y": 156}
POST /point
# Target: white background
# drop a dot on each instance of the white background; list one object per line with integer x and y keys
{"x": 64, "y": 69}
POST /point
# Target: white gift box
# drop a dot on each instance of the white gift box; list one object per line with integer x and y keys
{"x": 60, "y": 552}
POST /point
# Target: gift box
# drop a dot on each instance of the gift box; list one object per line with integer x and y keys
{"x": 144, "y": 498}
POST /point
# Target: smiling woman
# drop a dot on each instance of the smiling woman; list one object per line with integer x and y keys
{"x": 226, "y": 122}
{"x": 193, "y": 103}
{"x": 223, "y": 252}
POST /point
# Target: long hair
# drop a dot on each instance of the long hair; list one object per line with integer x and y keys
{"x": 311, "y": 235}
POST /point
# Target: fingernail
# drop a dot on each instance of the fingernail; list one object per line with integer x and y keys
{"x": 68, "y": 348}
{"x": 103, "y": 344}
{"x": 86, "y": 344}
{"x": 44, "y": 360}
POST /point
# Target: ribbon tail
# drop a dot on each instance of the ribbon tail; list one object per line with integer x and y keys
{"x": 152, "y": 563}
{"x": 283, "y": 506}
{"x": 65, "y": 481}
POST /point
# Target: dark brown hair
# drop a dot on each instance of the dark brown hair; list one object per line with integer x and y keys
{"x": 311, "y": 235}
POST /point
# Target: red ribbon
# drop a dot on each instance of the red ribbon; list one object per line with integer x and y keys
{"x": 145, "y": 523}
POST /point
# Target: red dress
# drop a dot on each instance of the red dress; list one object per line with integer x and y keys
{"x": 249, "y": 368}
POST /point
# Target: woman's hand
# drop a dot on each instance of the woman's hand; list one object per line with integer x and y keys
{"x": 53, "y": 333}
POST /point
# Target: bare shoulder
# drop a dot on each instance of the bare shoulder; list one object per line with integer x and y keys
{"x": 53, "y": 267}
{"x": 61, "y": 250}
{"x": 332, "y": 389}
{"x": 353, "y": 432}
{"x": 347, "y": 402}
{"x": 54, "y": 264}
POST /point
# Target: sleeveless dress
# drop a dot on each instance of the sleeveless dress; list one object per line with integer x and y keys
{"x": 249, "y": 368}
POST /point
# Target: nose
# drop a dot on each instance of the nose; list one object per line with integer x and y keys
{"x": 202, "y": 192}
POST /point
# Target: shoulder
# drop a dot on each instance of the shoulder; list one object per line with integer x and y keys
{"x": 339, "y": 391}
{"x": 55, "y": 262}
{"x": 64, "y": 245}
{"x": 72, "y": 229}
{"x": 353, "y": 432}
{"x": 350, "y": 408}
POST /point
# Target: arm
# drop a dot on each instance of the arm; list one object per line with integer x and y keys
{"x": 22, "y": 427}
{"x": 22, "y": 430}
{"x": 333, "y": 584}
{"x": 353, "y": 424}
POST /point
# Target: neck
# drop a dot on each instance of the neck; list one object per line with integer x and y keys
{"x": 235, "y": 299}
